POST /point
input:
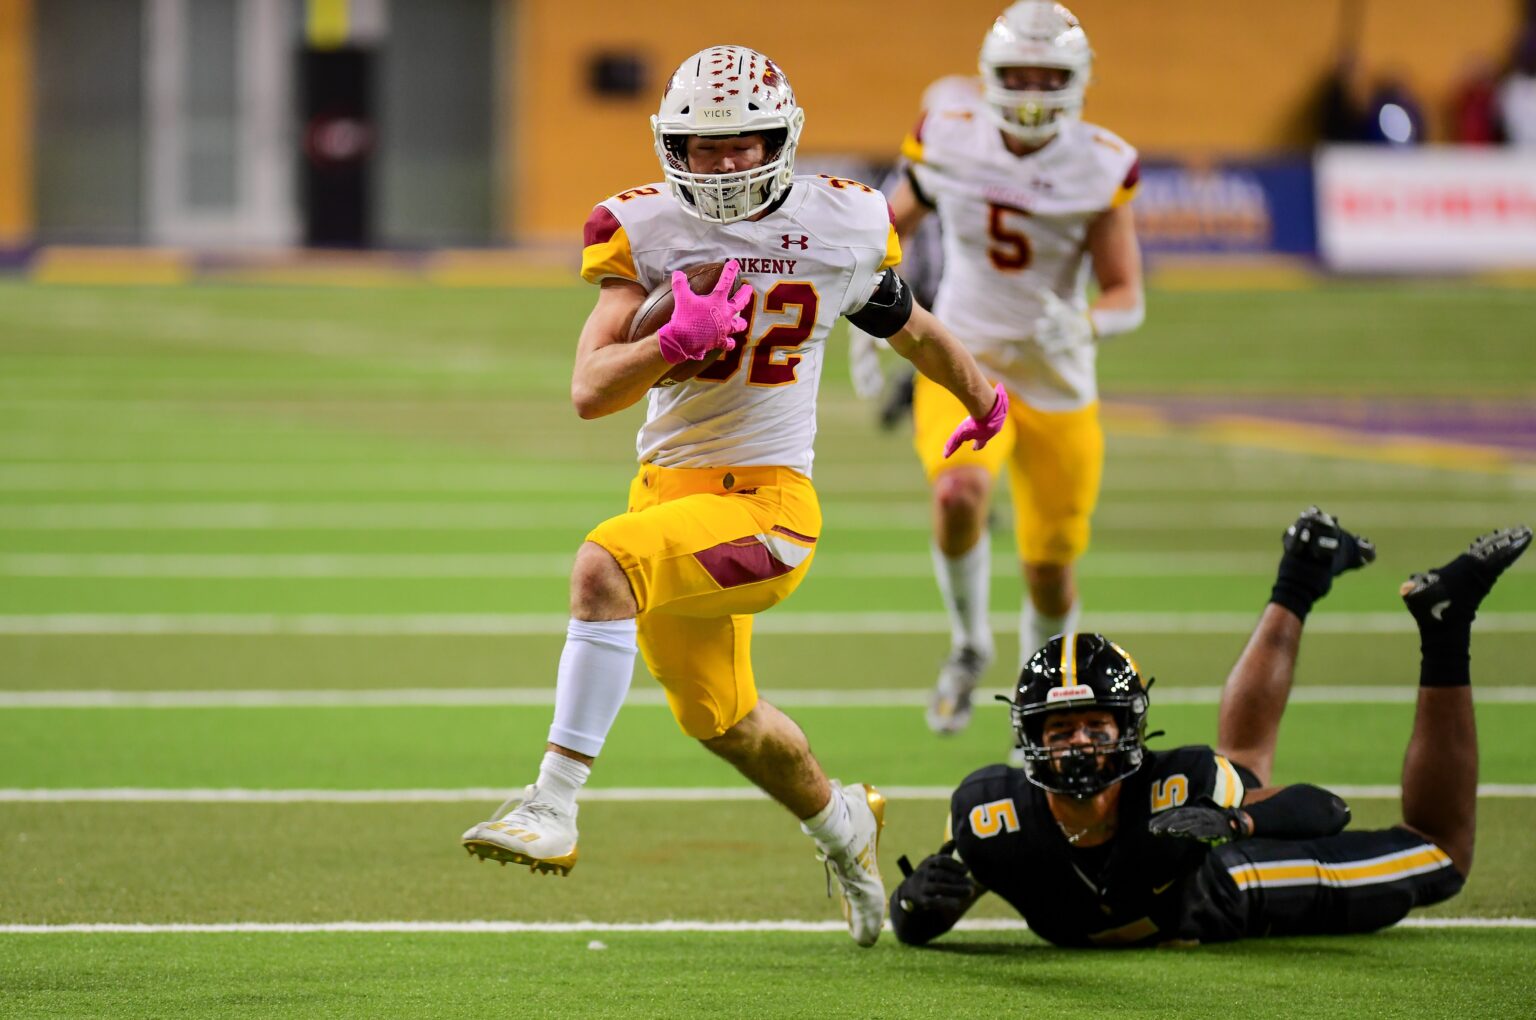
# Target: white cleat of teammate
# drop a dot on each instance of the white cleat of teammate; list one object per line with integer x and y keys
{"x": 538, "y": 833}
{"x": 949, "y": 707}
{"x": 856, "y": 867}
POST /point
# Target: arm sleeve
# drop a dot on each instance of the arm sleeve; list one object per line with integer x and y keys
{"x": 888, "y": 308}
{"x": 1300, "y": 811}
{"x": 917, "y": 187}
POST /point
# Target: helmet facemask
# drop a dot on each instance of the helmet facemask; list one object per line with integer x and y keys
{"x": 729, "y": 197}
{"x": 724, "y": 92}
{"x": 1075, "y": 770}
{"x": 1033, "y": 115}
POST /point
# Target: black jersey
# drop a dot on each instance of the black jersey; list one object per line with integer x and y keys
{"x": 1125, "y": 892}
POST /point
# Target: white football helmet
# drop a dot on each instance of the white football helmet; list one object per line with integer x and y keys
{"x": 1035, "y": 33}
{"x": 722, "y": 91}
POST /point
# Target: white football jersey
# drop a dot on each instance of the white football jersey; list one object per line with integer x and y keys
{"x": 1013, "y": 227}
{"x": 813, "y": 258}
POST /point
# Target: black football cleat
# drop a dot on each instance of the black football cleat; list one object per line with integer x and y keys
{"x": 1453, "y": 592}
{"x": 1317, "y": 538}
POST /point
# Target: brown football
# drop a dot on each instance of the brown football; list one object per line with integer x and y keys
{"x": 656, "y": 311}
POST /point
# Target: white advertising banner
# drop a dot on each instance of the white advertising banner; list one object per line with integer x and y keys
{"x": 1426, "y": 210}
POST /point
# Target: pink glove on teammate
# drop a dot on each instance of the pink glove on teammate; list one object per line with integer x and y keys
{"x": 702, "y": 323}
{"x": 981, "y": 431}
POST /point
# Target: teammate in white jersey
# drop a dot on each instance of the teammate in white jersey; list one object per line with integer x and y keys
{"x": 723, "y": 520}
{"x": 1030, "y": 199}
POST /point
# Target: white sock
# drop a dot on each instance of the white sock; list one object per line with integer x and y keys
{"x": 595, "y": 670}
{"x": 560, "y": 778}
{"x": 1035, "y": 628}
{"x": 831, "y": 828}
{"x": 965, "y": 581}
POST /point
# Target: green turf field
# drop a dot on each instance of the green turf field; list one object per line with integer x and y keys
{"x": 282, "y": 584}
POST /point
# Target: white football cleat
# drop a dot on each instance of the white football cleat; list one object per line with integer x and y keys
{"x": 856, "y": 867}
{"x": 949, "y": 708}
{"x": 536, "y": 832}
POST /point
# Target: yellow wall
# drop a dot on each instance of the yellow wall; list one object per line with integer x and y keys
{"x": 15, "y": 121}
{"x": 1174, "y": 76}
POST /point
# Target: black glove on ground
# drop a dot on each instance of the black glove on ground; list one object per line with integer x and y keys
{"x": 940, "y": 883}
{"x": 1204, "y": 822}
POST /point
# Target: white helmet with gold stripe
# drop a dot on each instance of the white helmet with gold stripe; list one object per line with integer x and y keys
{"x": 1035, "y": 34}
{"x": 719, "y": 92}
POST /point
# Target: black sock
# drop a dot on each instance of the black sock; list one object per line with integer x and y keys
{"x": 1444, "y": 603}
{"x": 1300, "y": 583}
{"x": 1444, "y": 663}
{"x": 1444, "y": 614}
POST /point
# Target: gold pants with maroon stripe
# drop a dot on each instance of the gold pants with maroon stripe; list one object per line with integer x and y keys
{"x": 704, "y": 549}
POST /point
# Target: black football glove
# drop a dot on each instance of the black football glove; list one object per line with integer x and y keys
{"x": 1206, "y": 823}
{"x": 941, "y": 882}
{"x": 1316, "y": 551}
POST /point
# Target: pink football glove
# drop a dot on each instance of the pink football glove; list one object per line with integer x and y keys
{"x": 701, "y": 323}
{"x": 981, "y": 431}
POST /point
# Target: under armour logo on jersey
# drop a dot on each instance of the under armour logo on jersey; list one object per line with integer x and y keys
{"x": 802, "y": 241}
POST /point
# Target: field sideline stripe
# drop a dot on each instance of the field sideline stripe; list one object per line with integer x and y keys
{"x": 536, "y": 624}
{"x": 619, "y": 794}
{"x": 590, "y": 927}
{"x": 482, "y": 697}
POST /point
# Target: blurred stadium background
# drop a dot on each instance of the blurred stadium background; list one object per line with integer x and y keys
{"x": 289, "y": 483}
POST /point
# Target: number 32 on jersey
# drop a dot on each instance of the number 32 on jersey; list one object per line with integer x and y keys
{"x": 773, "y": 358}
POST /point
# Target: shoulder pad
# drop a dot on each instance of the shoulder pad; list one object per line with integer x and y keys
{"x": 1118, "y": 161}
{"x": 940, "y": 130}
{"x": 634, "y": 219}
{"x": 644, "y": 191}
{"x": 1205, "y": 774}
{"x": 850, "y": 212}
{"x": 983, "y": 776}
{"x": 605, "y": 248}
{"x": 844, "y": 184}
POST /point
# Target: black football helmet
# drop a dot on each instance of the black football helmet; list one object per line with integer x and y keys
{"x": 1076, "y": 671}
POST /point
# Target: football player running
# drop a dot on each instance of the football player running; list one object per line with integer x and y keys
{"x": 723, "y": 519}
{"x": 1030, "y": 198}
{"x": 1098, "y": 841}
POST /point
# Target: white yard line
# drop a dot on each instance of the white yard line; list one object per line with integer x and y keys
{"x": 339, "y": 624}
{"x": 848, "y": 515}
{"x": 558, "y": 565}
{"x": 592, "y": 927}
{"x": 259, "y": 477}
{"x": 1130, "y": 471}
{"x": 493, "y": 795}
{"x": 488, "y": 697}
